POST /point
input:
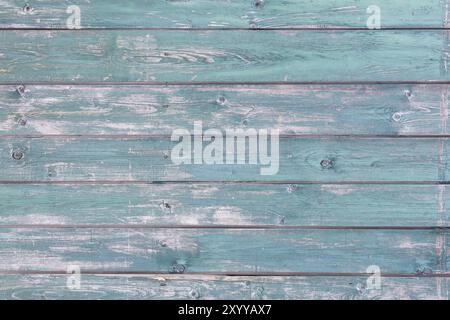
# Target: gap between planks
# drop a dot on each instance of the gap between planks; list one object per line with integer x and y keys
{"x": 168, "y": 137}
{"x": 232, "y": 227}
{"x": 221, "y": 83}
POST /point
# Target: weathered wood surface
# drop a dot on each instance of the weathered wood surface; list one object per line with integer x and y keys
{"x": 221, "y": 14}
{"x": 225, "y": 205}
{"x": 215, "y": 56}
{"x": 223, "y": 250}
{"x": 132, "y": 287}
{"x": 87, "y": 177}
{"x": 308, "y": 109}
{"x": 150, "y": 159}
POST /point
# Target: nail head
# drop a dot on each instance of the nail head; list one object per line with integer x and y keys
{"x": 194, "y": 294}
{"x": 396, "y": 117}
{"x": 17, "y": 155}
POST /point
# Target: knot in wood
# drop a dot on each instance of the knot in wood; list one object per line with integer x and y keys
{"x": 397, "y": 116}
{"x": 258, "y": 3}
{"x": 22, "y": 122}
{"x": 21, "y": 90}
{"x": 221, "y": 100}
{"x": 194, "y": 293}
{"x": 408, "y": 93}
{"x": 27, "y": 8}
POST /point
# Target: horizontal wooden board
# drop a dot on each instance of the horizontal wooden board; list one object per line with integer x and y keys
{"x": 93, "y": 287}
{"x": 218, "y": 250}
{"x": 214, "y": 56}
{"x": 225, "y": 205}
{"x": 148, "y": 159}
{"x": 293, "y": 109}
{"x": 222, "y": 14}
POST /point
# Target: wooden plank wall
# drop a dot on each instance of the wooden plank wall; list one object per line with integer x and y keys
{"x": 86, "y": 177}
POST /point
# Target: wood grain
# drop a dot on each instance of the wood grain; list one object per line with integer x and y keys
{"x": 219, "y": 205}
{"x": 162, "y": 287}
{"x": 221, "y": 14}
{"x": 228, "y": 251}
{"x": 217, "y": 56}
{"x": 293, "y": 109}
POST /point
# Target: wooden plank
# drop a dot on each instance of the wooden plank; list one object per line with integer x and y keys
{"x": 224, "y": 205}
{"x": 217, "y": 56}
{"x": 148, "y": 159}
{"x": 95, "y": 287}
{"x": 218, "y": 250}
{"x": 310, "y": 109}
{"x": 221, "y": 14}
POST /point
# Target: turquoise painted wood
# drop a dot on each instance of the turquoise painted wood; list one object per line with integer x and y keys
{"x": 224, "y": 205}
{"x": 151, "y": 160}
{"x": 169, "y": 287}
{"x": 155, "y": 110}
{"x": 223, "y": 250}
{"x": 87, "y": 177}
{"x": 221, "y": 14}
{"x": 217, "y": 56}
